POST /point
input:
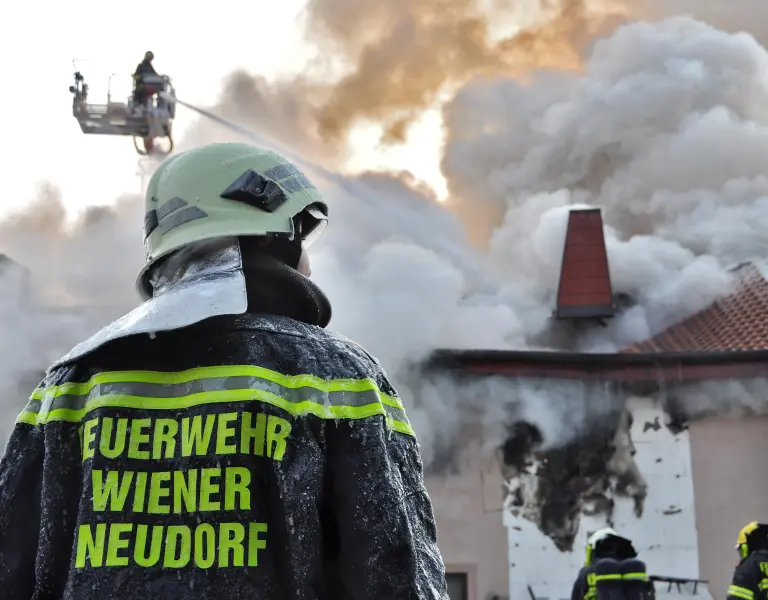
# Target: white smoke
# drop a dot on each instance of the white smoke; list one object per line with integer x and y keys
{"x": 741, "y": 398}
{"x": 665, "y": 131}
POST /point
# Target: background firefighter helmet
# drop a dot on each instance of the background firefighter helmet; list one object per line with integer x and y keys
{"x": 752, "y": 536}
{"x": 226, "y": 190}
{"x": 605, "y": 539}
{"x": 149, "y": 55}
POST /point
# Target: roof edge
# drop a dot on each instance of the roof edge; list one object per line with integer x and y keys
{"x": 654, "y": 369}
{"x": 451, "y": 358}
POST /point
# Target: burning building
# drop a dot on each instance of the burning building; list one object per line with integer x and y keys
{"x": 653, "y": 454}
{"x": 648, "y": 450}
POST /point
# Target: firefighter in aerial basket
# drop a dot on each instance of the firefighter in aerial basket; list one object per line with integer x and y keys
{"x": 218, "y": 441}
{"x": 142, "y": 90}
{"x": 612, "y": 570}
{"x": 750, "y": 578}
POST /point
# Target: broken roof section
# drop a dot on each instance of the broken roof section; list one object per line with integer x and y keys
{"x": 736, "y": 323}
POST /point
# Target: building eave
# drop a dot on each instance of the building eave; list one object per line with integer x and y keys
{"x": 620, "y": 367}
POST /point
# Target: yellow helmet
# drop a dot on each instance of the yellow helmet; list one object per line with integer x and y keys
{"x": 747, "y": 535}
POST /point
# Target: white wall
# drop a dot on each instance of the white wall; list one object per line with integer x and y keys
{"x": 666, "y": 542}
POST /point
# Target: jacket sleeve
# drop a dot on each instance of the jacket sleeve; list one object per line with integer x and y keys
{"x": 745, "y": 582}
{"x": 20, "y": 504}
{"x": 383, "y": 524}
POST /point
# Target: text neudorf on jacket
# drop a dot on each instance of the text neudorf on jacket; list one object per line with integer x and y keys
{"x": 220, "y": 490}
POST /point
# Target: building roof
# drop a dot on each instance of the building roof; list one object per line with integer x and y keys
{"x": 728, "y": 339}
{"x": 736, "y": 323}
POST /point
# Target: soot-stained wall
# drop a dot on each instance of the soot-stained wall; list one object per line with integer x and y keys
{"x": 631, "y": 473}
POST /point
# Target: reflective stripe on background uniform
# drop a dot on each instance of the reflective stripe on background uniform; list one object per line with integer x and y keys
{"x": 740, "y": 592}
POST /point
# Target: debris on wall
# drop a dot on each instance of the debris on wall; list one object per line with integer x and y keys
{"x": 554, "y": 488}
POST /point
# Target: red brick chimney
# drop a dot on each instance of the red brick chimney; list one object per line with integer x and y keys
{"x": 585, "y": 290}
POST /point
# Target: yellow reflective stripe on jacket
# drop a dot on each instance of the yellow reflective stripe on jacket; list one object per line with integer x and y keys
{"x": 636, "y": 576}
{"x": 607, "y": 577}
{"x": 763, "y": 585}
{"x": 154, "y": 390}
{"x": 740, "y": 592}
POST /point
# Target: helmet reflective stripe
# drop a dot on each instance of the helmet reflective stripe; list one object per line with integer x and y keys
{"x": 226, "y": 190}
{"x": 600, "y": 535}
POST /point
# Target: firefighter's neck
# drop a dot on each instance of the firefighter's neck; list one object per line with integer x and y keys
{"x": 275, "y": 288}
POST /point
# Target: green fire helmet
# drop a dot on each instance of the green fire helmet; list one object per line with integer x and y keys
{"x": 226, "y": 190}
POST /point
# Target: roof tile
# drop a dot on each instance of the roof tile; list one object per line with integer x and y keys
{"x": 736, "y": 323}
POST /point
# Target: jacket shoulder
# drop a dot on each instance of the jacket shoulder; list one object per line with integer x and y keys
{"x": 753, "y": 561}
{"x": 360, "y": 360}
{"x": 331, "y": 355}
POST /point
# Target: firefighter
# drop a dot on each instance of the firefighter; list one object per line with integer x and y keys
{"x": 145, "y": 66}
{"x": 750, "y": 578}
{"x": 218, "y": 441}
{"x": 611, "y": 570}
{"x": 143, "y": 90}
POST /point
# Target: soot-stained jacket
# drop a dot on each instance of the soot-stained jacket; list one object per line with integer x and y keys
{"x": 255, "y": 456}
{"x": 750, "y": 578}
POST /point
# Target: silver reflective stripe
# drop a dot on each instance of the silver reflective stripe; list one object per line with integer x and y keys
{"x": 72, "y": 400}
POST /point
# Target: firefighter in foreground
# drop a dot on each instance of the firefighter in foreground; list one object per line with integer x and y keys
{"x": 217, "y": 442}
{"x": 611, "y": 570}
{"x": 750, "y": 578}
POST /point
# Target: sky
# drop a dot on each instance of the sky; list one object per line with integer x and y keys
{"x": 197, "y": 47}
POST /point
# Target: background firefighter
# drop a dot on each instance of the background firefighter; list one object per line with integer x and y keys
{"x": 219, "y": 425}
{"x": 611, "y": 570}
{"x": 750, "y": 578}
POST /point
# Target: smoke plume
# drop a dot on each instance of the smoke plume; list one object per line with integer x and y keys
{"x": 390, "y": 61}
{"x": 401, "y": 55}
{"x": 661, "y": 124}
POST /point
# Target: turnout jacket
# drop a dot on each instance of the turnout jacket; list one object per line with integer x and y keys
{"x": 613, "y": 578}
{"x": 750, "y": 578}
{"x": 253, "y": 456}
{"x": 144, "y": 68}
